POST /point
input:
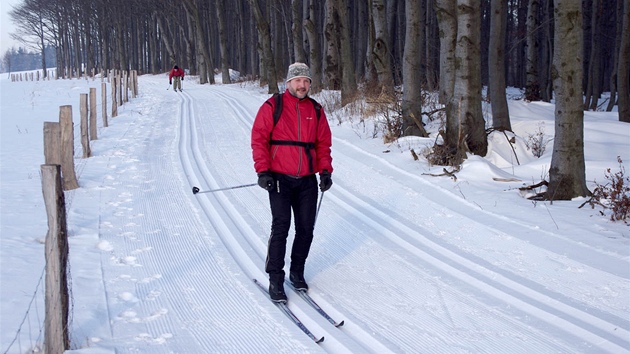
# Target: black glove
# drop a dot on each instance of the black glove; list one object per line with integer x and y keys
{"x": 182, "y": 78}
{"x": 325, "y": 181}
{"x": 170, "y": 82}
{"x": 265, "y": 181}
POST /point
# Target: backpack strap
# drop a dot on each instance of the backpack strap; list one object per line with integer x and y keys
{"x": 278, "y": 108}
{"x": 318, "y": 107}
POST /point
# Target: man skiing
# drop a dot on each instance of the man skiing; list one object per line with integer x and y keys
{"x": 178, "y": 74}
{"x": 287, "y": 155}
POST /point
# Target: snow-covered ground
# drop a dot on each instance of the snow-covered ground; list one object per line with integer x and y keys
{"x": 411, "y": 262}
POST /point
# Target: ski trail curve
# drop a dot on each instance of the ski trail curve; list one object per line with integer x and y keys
{"x": 243, "y": 243}
{"x": 524, "y": 296}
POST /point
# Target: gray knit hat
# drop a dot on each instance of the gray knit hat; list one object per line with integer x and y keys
{"x": 298, "y": 70}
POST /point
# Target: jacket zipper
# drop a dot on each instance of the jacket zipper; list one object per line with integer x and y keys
{"x": 299, "y": 134}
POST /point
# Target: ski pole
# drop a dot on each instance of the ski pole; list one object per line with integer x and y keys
{"x": 319, "y": 205}
{"x": 196, "y": 190}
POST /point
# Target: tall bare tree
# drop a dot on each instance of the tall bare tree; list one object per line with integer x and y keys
{"x": 203, "y": 58}
{"x": 465, "y": 126}
{"x": 593, "y": 93}
{"x": 32, "y": 27}
{"x": 412, "y": 73}
{"x": 310, "y": 25}
{"x": 332, "y": 68}
{"x": 381, "y": 52}
{"x": 615, "y": 65}
{"x": 225, "y": 67}
{"x": 467, "y": 88}
{"x": 532, "y": 85}
{"x": 546, "y": 51}
{"x": 446, "y": 11}
{"x": 297, "y": 31}
{"x": 348, "y": 75}
{"x": 496, "y": 66}
{"x": 264, "y": 40}
{"x": 567, "y": 178}
{"x": 623, "y": 71}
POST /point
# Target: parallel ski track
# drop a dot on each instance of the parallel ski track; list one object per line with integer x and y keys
{"x": 589, "y": 325}
{"x": 177, "y": 251}
{"x": 243, "y": 243}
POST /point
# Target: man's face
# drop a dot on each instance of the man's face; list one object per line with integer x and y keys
{"x": 299, "y": 87}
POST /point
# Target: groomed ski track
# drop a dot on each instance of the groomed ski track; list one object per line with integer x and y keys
{"x": 456, "y": 294}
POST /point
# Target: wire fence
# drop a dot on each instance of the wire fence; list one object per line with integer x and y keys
{"x": 29, "y": 335}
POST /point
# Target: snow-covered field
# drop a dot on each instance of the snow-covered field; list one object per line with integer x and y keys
{"x": 412, "y": 263}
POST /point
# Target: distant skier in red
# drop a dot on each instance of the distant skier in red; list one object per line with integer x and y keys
{"x": 178, "y": 74}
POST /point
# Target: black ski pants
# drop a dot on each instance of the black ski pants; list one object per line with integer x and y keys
{"x": 300, "y": 196}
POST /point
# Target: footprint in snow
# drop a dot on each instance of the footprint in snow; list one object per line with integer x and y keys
{"x": 146, "y": 337}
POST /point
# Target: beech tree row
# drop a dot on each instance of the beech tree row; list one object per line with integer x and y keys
{"x": 261, "y": 38}
{"x": 451, "y": 47}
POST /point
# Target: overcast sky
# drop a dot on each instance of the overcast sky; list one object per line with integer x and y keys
{"x": 7, "y": 25}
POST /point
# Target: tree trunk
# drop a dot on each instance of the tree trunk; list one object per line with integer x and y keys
{"x": 204, "y": 60}
{"x": 592, "y": 78}
{"x": 496, "y": 66}
{"x": 332, "y": 71}
{"x": 432, "y": 47}
{"x": 615, "y": 67}
{"x": 296, "y": 31}
{"x": 546, "y": 84}
{"x": 361, "y": 38}
{"x": 371, "y": 76}
{"x": 411, "y": 67}
{"x": 467, "y": 88}
{"x": 623, "y": 70}
{"x": 381, "y": 51}
{"x": 225, "y": 67}
{"x": 348, "y": 75}
{"x": 567, "y": 178}
{"x": 315, "y": 52}
{"x": 446, "y": 12}
{"x": 43, "y": 50}
{"x": 532, "y": 87}
{"x": 264, "y": 40}
{"x": 165, "y": 38}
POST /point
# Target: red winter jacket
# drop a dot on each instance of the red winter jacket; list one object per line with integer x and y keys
{"x": 176, "y": 72}
{"x": 298, "y": 123}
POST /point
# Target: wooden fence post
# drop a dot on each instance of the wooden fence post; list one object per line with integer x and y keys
{"x": 85, "y": 140}
{"x": 119, "y": 79}
{"x": 56, "y": 339}
{"x": 92, "y": 110}
{"x": 134, "y": 83}
{"x": 126, "y": 79}
{"x": 52, "y": 143}
{"x": 67, "y": 148}
{"x": 104, "y": 103}
{"x": 114, "y": 104}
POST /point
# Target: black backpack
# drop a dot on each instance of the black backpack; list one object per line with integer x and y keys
{"x": 276, "y": 116}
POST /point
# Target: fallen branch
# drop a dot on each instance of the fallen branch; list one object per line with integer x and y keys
{"x": 534, "y": 186}
{"x": 446, "y": 173}
{"x": 500, "y": 179}
{"x": 592, "y": 201}
{"x": 537, "y": 196}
